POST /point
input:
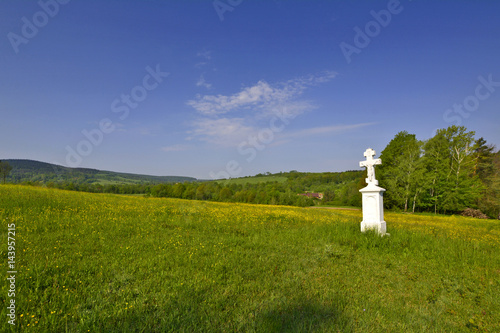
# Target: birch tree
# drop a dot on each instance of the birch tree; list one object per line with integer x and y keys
{"x": 449, "y": 163}
{"x": 465, "y": 186}
{"x": 400, "y": 171}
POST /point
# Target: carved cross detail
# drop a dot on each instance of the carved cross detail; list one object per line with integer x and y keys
{"x": 369, "y": 164}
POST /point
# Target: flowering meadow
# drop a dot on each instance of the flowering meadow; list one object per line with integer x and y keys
{"x": 109, "y": 263}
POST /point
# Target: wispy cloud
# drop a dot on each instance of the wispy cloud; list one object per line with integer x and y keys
{"x": 262, "y": 96}
{"x": 143, "y": 131}
{"x": 203, "y": 83}
{"x": 222, "y": 131}
{"x": 288, "y": 136}
{"x": 205, "y": 54}
{"x": 228, "y": 120}
{"x": 335, "y": 129}
{"x": 200, "y": 64}
{"x": 178, "y": 147}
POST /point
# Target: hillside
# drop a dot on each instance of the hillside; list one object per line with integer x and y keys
{"x": 35, "y": 171}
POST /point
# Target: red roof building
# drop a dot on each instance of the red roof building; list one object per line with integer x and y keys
{"x": 313, "y": 195}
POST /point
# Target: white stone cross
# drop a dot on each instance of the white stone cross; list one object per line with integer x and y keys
{"x": 369, "y": 164}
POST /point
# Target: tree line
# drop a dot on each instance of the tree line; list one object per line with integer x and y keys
{"x": 445, "y": 174}
{"x": 340, "y": 188}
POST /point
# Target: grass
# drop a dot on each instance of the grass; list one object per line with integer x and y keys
{"x": 109, "y": 263}
{"x": 337, "y": 206}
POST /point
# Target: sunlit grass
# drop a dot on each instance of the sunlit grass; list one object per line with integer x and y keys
{"x": 460, "y": 227}
{"x": 108, "y": 263}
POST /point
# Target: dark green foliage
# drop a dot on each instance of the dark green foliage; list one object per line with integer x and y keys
{"x": 5, "y": 169}
{"x": 487, "y": 168}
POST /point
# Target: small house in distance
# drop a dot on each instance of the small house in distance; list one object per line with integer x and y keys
{"x": 313, "y": 195}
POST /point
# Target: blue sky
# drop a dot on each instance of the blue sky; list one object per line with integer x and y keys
{"x": 234, "y": 88}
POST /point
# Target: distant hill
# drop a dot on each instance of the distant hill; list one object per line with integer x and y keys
{"x": 35, "y": 171}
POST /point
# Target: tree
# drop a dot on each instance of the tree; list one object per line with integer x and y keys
{"x": 5, "y": 169}
{"x": 328, "y": 196}
{"x": 225, "y": 194}
{"x": 493, "y": 195}
{"x": 435, "y": 161}
{"x": 449, "y": 165}
{"x": 178, "y": 190}
{"x": 465, "y": 185}
{"x": 401, "y": 170}
{"x": 483, "y": 159}
{"x": 487, "y": 168}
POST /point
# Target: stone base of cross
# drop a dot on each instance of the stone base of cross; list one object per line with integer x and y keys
{"x": 372, "y": 197}
{"x": 373, "y": 209}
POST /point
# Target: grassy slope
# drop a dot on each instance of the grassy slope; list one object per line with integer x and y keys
{"x": 109, "y": 263}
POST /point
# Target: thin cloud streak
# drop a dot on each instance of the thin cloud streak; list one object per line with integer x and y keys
{"x": 336, "y": 129}
{"x": 203, "y": 83}
{"x": 223, "y": 132}
{"x": 174, "y": 148}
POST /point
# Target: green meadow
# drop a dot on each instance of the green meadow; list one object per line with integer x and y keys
{"x": 109, "y": 263}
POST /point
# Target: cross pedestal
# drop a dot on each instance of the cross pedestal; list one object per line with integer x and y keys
{"x": 373, "y": 209}
{"x": 373, "y": 197}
